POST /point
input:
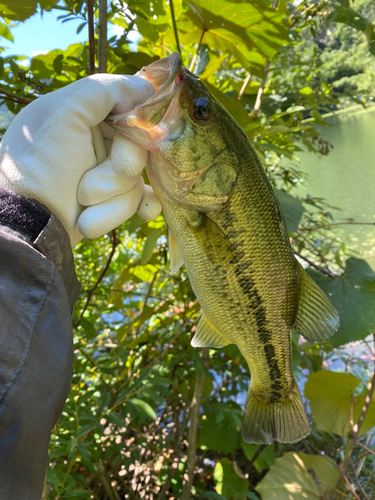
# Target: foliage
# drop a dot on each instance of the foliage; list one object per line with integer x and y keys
{"x": 278, "y": 67}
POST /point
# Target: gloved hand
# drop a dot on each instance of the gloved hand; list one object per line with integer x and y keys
{"x": 58, "y": 152}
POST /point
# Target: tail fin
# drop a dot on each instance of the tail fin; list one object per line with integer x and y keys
{"x": 284, "y": 421}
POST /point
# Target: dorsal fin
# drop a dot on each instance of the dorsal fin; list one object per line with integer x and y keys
{"x": 207, "y": 335}
{"x": 316, "y": 317}
{"x": 175, "y": 255}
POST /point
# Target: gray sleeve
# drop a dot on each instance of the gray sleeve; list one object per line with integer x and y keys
{"x": 36, "y": 353}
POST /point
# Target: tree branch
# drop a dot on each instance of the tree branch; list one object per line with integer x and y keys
{"x": 15, "y": 97}
{"x": 193, "y": 430}
{"x": 90, "y": 19}
{"x": 102, "y": 40}
{"x": 101, "y": 276}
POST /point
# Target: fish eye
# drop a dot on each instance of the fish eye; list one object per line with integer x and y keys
{"x": 201, "y": 110}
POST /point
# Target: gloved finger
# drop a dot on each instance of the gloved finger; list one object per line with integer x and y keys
{"x": 102, "y": 183}
{"x": 102, "y": 218}
{"x": 107, "y": 131}
{"x": 150, "y": 206}
{"x": 98, "y": 144}
{"x": 128, "y": 158}
{"x": 90, "y": 100}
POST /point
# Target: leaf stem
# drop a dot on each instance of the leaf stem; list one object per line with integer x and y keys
{"x": 175, "y": 27}
{"x": 195, "y": 57}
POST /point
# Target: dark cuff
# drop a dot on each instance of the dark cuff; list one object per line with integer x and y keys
{"x": 43, "y": 230}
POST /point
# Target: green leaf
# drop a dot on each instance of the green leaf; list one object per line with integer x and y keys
{"x": 224, "y": 437}
{"x": 331, "y": 395}
{"x": 143, "y": 407}
{"x": 18, "y": 10}
{"x": 149, "y": 246}
{"x": 5, "y": 32}
{"x": 57, "y": 63}
{"x": 353, "y": 295}
{"x": 80, "y": 27}
{"x": 214, "y": 496}
{"x": 291, "y": 479}
{"x": 229, "y": 479}
{"x": 291, "y": 208}
{"x": 265, "y": 459}
{"x": 249, "y": 31}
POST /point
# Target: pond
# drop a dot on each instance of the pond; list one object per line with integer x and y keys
{"x": 346, "y": 177}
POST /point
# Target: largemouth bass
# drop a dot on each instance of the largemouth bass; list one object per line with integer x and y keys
{"x": 226, "y": 226}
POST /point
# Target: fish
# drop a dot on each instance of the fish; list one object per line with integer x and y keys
{"x": 225, "y": 224}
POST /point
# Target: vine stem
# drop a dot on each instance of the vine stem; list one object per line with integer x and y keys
{"x": 195, "y": 57}
{"x": 354, "y": 433}
{"x": 193, "y": 430}
{"x": 90, "y": 20}
{"x": 175, "y": 26}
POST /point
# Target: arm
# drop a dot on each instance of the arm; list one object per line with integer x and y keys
{"x": 60, "y": 180}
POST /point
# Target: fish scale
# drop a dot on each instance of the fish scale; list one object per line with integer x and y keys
{"x": 226, "y": 225}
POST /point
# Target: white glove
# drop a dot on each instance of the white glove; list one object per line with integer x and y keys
{"x": 52, "y": 146}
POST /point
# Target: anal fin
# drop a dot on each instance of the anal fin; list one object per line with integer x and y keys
{"x": 175, "y": 255}
{"x": 316, "y": 317}
{"x": 207, "y": 335}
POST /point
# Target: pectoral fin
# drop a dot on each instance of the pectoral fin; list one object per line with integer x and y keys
{"x": 316, "y": 317}
{"x": 207, "y": 335}
{"x": 175, "y": 255}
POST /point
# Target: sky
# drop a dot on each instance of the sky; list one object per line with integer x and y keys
{"x": 42, "y": 34}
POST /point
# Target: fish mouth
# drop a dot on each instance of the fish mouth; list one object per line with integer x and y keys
{"x": 160, "y": 116}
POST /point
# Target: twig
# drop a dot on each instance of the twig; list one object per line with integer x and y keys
{"x": 353, "y": 435}
{"x": 195, "y": 57}
{"x": 351, "y": 487}
{"x": 90, "y": 19}
{"x": 172, "y": 472}
{"x": 258, "y": 101}
{"x": 365, "y": 447}
{"x": 112, "y": 493}
{"x": 15, "y": 97}
{"x": 146, "y": 299}
{"x": 316, "y": 266}
{"x": 358, "y": 483}
{"x": 127, "y": 488}
{"x": 102, "y": 37}
{"x": 323, "y": 226}
{"x": 193, "y": 430}
{"x": 101, "y": 276}
{"x": 319, "y": 254}
{"x": 257, "y": 453}
{"x": 175, "y": 26}
{"x": 245, "y": 83}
